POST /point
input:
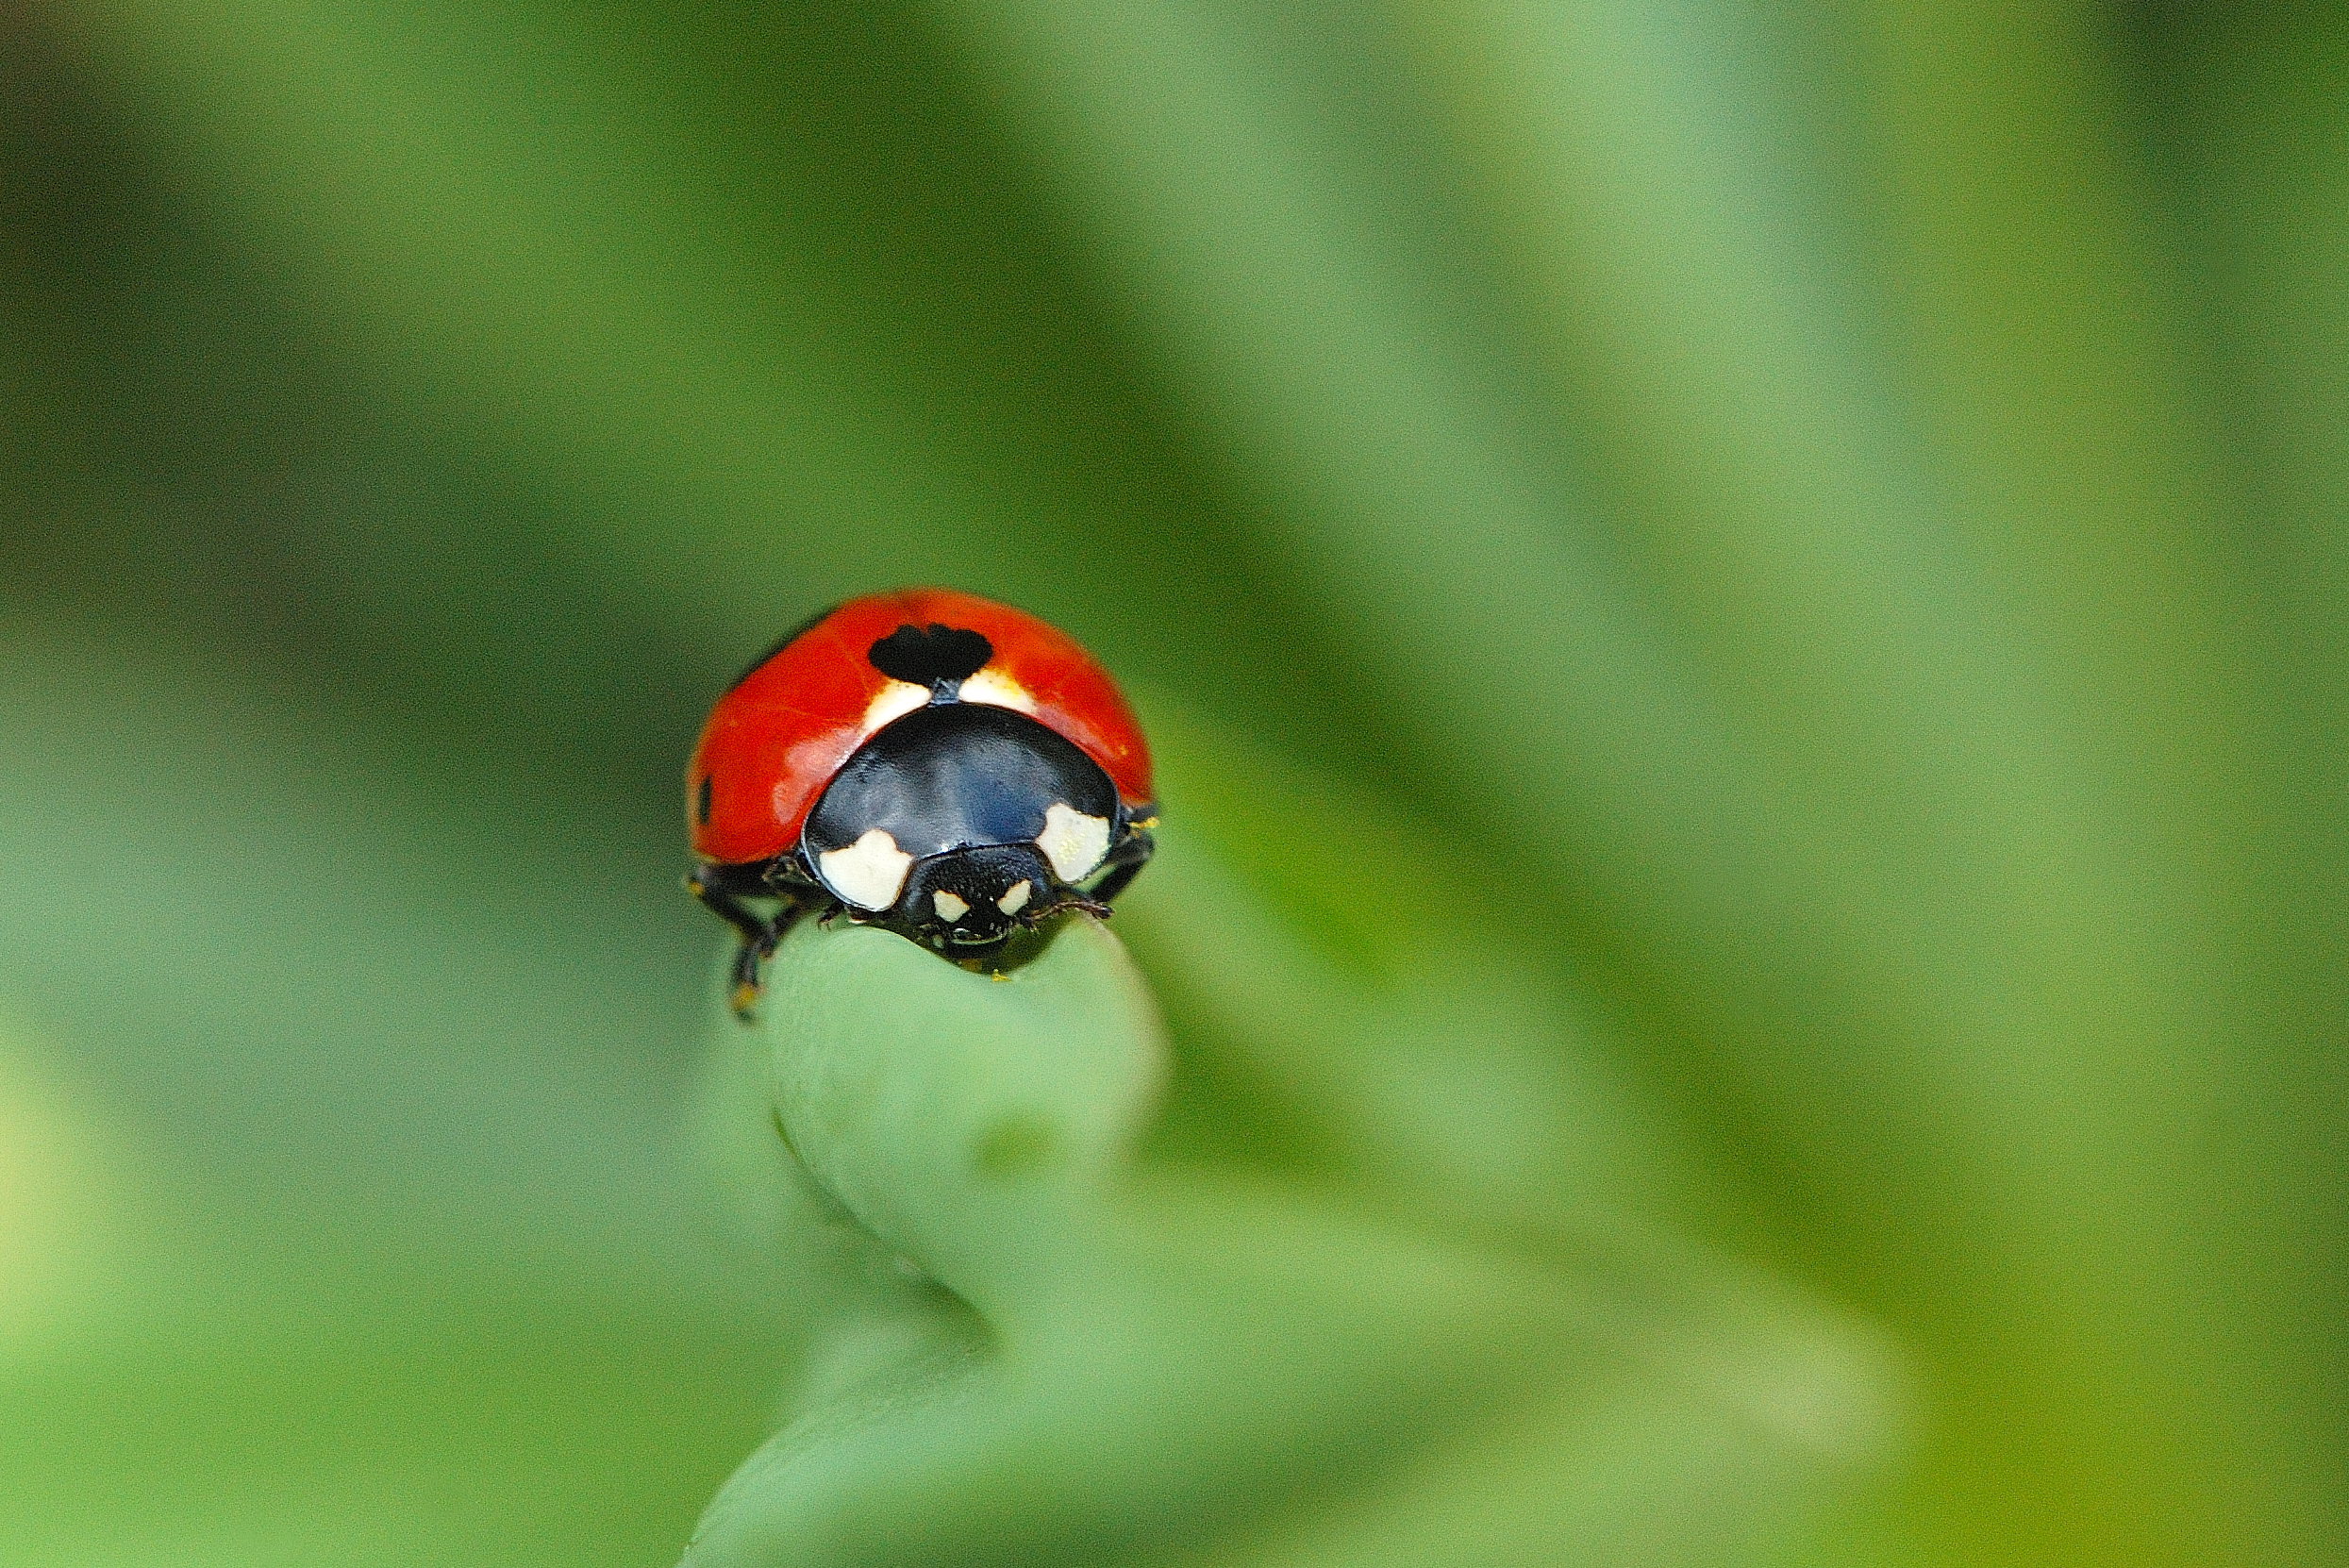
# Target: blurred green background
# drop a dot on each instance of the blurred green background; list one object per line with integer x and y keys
{"x": 1747, "y": 605}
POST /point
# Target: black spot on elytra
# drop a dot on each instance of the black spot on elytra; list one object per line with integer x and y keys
{"x": 931, "y": 655}
{"x": 701, "y": 801}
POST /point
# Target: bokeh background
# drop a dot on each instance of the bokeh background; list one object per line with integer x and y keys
{"x": 1792, "y": 555}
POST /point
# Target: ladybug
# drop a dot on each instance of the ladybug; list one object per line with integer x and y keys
{"x": 931, "y": 762}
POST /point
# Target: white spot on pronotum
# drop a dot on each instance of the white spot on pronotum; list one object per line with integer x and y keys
{"x": 1015, "y": 897}
{"x": 997, "y": 689}
{"x": 869, "y": 873}
{"x": 893, "y": 701}
{"x": 1073, "y": 841}
{"x": 949, "y": 906}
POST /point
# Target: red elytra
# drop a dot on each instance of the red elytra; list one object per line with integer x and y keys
{"x": 780, "y": 735}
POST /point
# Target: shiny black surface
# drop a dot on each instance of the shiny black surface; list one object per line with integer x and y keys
{"x": 980, "y": 878}
{"x": 955, "y": 775}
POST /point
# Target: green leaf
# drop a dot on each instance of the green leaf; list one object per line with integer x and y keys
{"x": 1057, "y": 1347}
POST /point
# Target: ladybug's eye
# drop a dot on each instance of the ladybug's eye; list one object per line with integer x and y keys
{"x": 931, "y": 655}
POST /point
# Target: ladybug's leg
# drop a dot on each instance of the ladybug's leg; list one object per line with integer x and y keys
{"x": 1125, "y": 863}
{"x": 721, "y": 888}
{"x": 753, "y": 952}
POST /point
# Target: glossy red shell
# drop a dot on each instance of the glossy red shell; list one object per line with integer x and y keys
{"x": 774, "y": 740}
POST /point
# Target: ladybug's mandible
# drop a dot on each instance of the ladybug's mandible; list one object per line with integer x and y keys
{"x": 929, "y": 761}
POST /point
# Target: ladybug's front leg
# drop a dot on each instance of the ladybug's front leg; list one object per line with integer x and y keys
{"x": 722, "y": 889}
{"x": 1125, "y": 863}
{"x": 753, "y": 953}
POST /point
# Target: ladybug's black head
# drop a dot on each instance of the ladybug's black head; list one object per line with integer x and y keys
{"x": 973, "y": 898}
{"x": 959, "y": 822}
